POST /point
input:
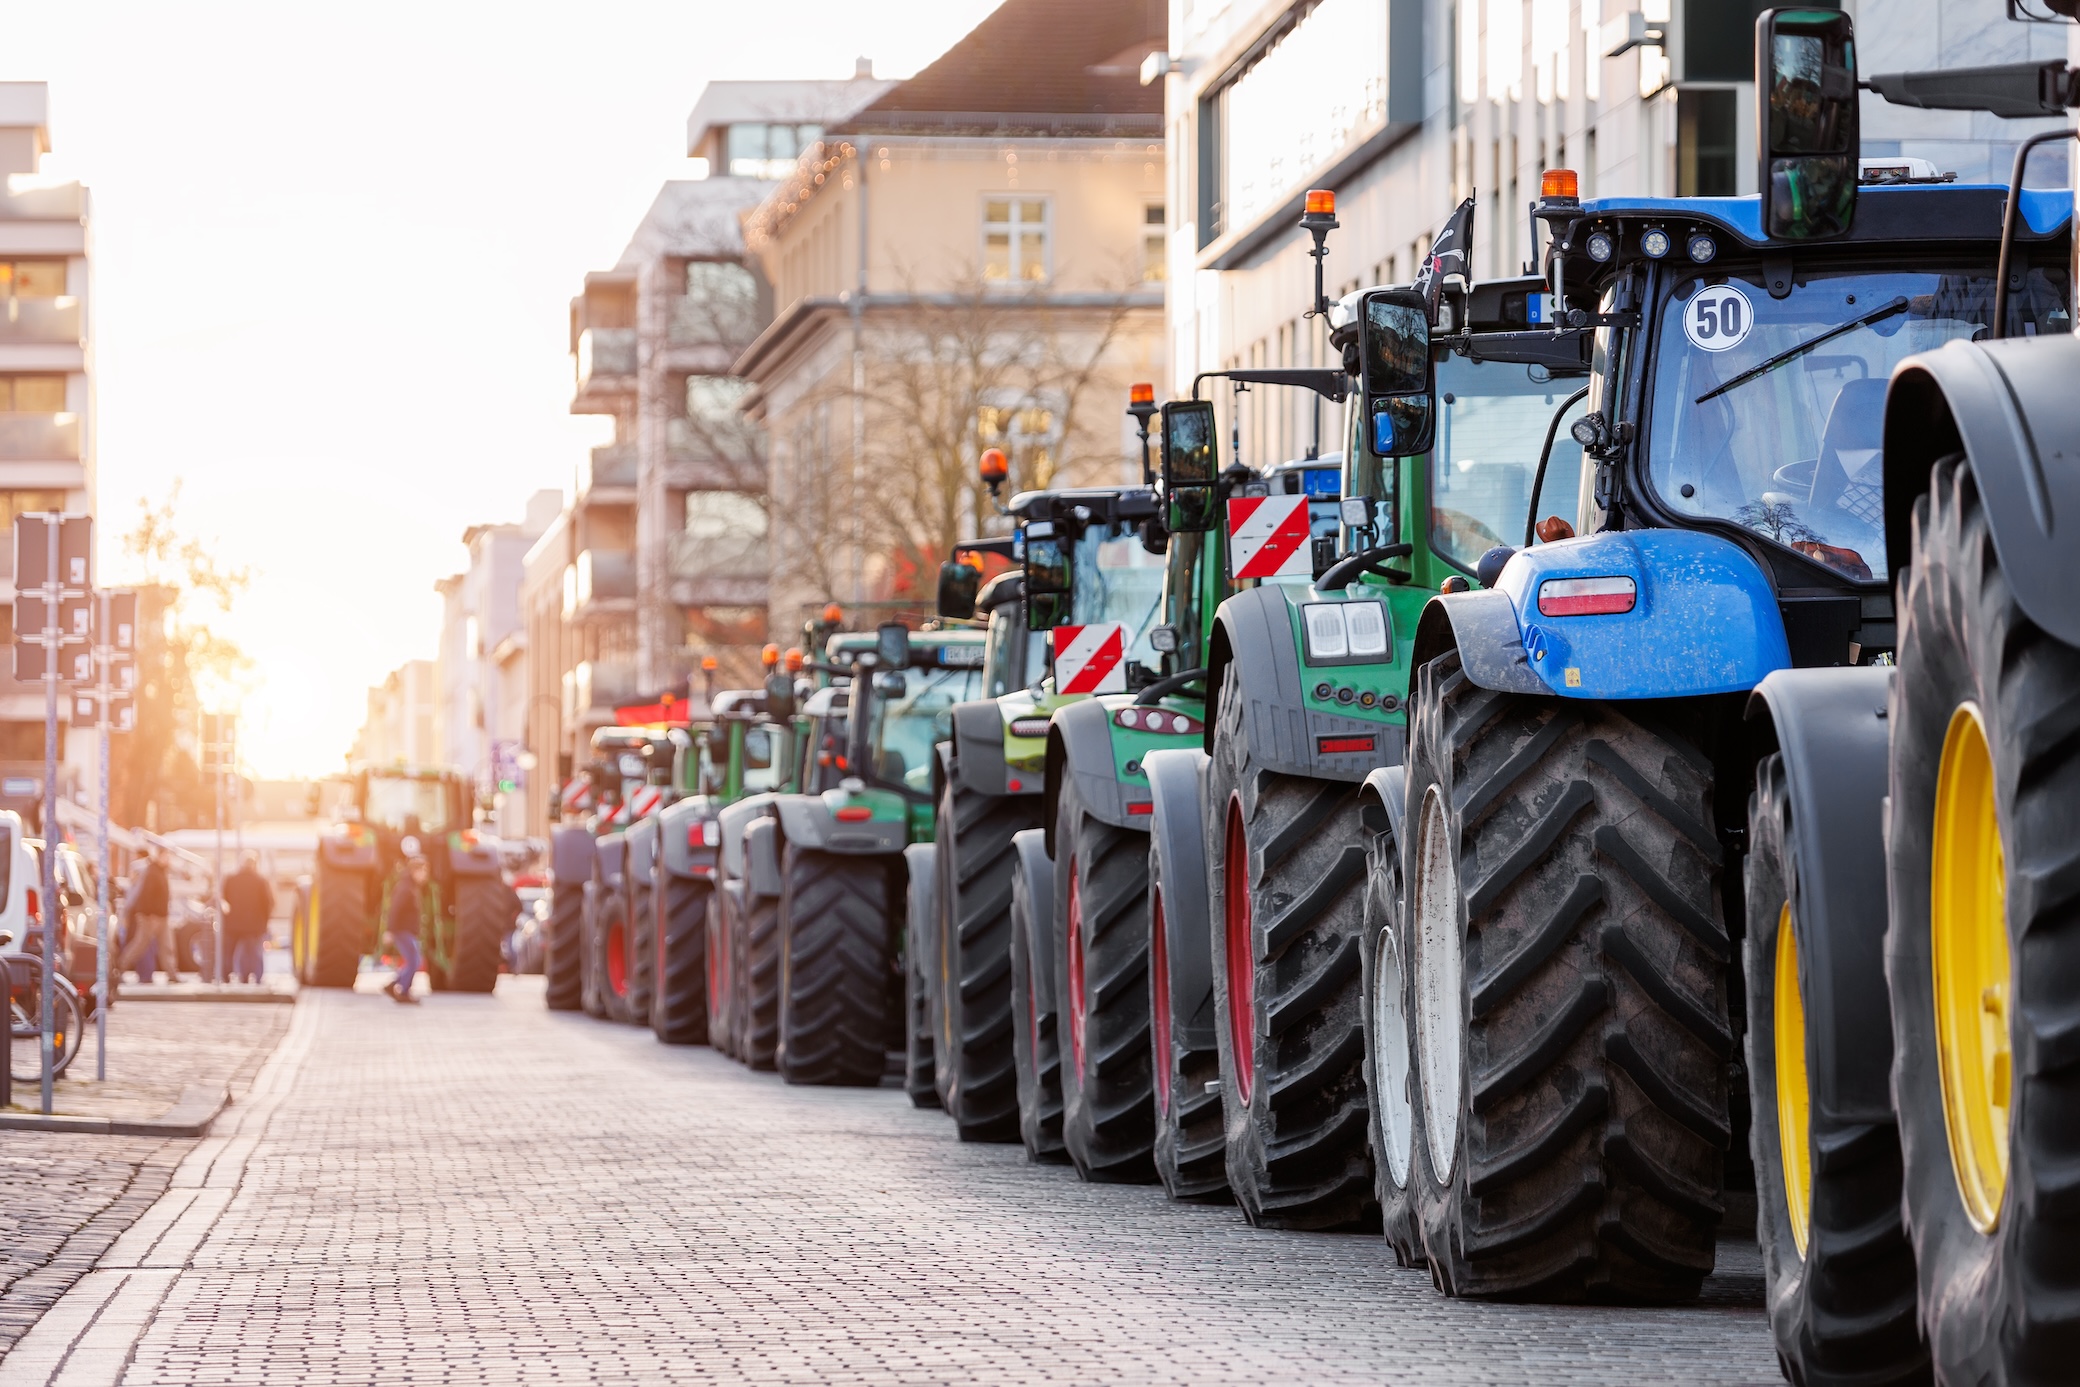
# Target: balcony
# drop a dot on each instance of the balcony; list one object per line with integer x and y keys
{"x": 39, "y": 438}
{"x": 720, "y": 558}
{"x": 606, "y": 359}
{"x": 49, "y": 202}
{"x": 729, "y": 322}
{"x": 603, "y": 583}
{"x": 42, "y": 322}
{"x": 594, "y": 687}
{"x": 607, "y": 469}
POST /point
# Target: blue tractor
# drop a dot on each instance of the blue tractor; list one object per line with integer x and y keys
{"x": 1735, "y": 803}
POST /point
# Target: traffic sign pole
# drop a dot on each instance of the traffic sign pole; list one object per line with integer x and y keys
{"x": 53, "y": 634}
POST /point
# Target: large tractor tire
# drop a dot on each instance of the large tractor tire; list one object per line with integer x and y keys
{"x": 563, "y": 952}
{"x": 921, "y": 927}
{"x": 1035, "y": 1046}
{"x": 1191, "y": 1149}
{"x": 679, "y": 968}
{"x": 1837, "y": 1266}
{"x": 299, "y": 931}
{"x": 1981, "y": 957}
{"x": 341, "y": 928}
{"x": 971, "y": 994}
{"x": 755, "y": 980}
{"x": 1285, "y": 885}
{"x": 607, "y": 941}
{"x": 837, "y": 967}
{"x": 1389, "y": 1042}
{"x": 641, "y": 912}
{"x": 1101, "y": 994}
{"x": 1571, "y": 961}
{"x": 484, "y": 916}
{"x": 722, "y": 972}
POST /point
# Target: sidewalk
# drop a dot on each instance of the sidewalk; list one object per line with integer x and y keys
{"x": 160, "y": 1058}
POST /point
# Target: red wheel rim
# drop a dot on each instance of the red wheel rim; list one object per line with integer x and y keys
{"x": 1075, "y": 971}
{"x": 1159, "y": 980}
{"x": 617, "y": 960}
{"x": 1241, "y": 956}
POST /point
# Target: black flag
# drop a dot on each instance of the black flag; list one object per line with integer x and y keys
{"x": 1450, "y": 254}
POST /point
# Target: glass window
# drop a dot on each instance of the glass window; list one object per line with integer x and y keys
{"x": 714, "y": 398}
{"x": 756, "y": 149}
{"x": 1117, "y": 579}
{"x": 1706, "y": 142}
{"x": 391, "y": 799}
{"x": 32, "y": 395}
{"x": 14, "y": 503}
{"x": 1014, "y": 240}
{"x": 32, "y": 279}
{"x": 720, "y": 303}
{"x": 762, "y": 768}
{"x": 1492, "y": 421}
{"x": 1155, "y": 243}
{"x": 1757, "y": 422}
{"x": 906, "y": 729}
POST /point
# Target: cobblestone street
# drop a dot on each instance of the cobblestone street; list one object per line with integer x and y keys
{"x": 480, "y": 1191}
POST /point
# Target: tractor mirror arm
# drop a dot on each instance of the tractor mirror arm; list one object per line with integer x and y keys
{"x": 1323, "y": 380}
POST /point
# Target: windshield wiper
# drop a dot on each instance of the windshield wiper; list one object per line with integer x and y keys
{"x": 1898, "y": 305}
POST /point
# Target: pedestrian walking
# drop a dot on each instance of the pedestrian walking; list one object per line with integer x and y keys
{"x": 148, "y": 906}
{"x": 248, "y": 906}
{"x": 405, "y": 904}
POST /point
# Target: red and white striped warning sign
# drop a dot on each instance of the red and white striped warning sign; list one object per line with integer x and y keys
{"x": 643, "y": 803}
{"x": 577, "y": 794}
{"x": 1090, "y": 659}
{"x": 1267, "y": 537}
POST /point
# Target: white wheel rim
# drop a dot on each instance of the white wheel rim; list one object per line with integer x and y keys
{"x": 1438, "y": 984}
{"x": 1390, "y": 1033}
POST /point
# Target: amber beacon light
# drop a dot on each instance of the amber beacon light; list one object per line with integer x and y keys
{"x": 1559, "y": 183}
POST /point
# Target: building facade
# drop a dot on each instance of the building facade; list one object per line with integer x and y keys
{"x": 402, "y": 721}
{"x": 974, "y": 259}
{"x": 46, "y": 398}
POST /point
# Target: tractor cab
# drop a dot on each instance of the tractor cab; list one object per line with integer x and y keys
{"x": 909, "y": 693}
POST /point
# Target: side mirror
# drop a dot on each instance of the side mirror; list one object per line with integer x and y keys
{"x": 1805, "y": 61}
{"x": 958, "y": 584}
{"x": 1191, "y": 466}
{"x": 1049, "y": 577}
{"x": 892, "y": 645}
{"x": 1394, "y": 361}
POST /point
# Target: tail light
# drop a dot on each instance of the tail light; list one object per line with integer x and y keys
{"x": 1029, "y": 727}
{"x": 1586, "y": 596}
{"x": 855, "y": 813}
{"x": 705, "y": 834}
{"x": 1158, "y": 720}
{"x": 35, "y": 905}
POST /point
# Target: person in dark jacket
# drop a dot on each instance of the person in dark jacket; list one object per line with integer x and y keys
{"x": 248, "y": 906}
{"x": 149, "y": 904}
{"x": 406, "y": 900}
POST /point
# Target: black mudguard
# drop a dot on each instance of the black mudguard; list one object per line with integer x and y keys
{"x": 610, "y": 861}
{"x": 355, "y": 854}
{"x": 976, "y": 757}
{"x": 640, "y": 853}
{"x": 1386, "y": 791}
{"x": 2013, "y": 409}
{"x": 807, "y": 822}
{"x": 1254, "y": 632}
{"x": 1482, "y": 627}
{"x": 1079, "y": 743}
{"x": 762, "y": 857}
{"x": 571, "y": 850}
{"x": 1177, "y": 782}
{"x": 733, "y": 821}
{"x": 1830, "y": 726}
{"x": 679, "y": 829}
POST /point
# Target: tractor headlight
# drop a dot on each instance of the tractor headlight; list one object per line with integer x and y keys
{"x": 1600, "y": 246}
{"x": 1346, "y": 631}
{"x": 1702, "y": 248}
{"x": 1654, "y": 244}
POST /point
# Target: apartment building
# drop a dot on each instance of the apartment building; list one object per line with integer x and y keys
{"x": 1405, "y": 107}
{"x": 974, "y": 259}
{"x": 400, "y": 728}
{"x": 46, "y": 396}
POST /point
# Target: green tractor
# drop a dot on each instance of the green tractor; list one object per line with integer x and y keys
{"x": 741, "y": 752}
{"x": 467, "y": 909}
{"x": 1090, "y": 581}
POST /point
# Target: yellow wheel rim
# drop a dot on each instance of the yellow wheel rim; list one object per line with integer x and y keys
{"x": 1968, "y": 925}
{"x": 1794, "y": 1095}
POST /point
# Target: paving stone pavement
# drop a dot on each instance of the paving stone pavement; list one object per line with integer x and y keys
{"x": 156, "y": 1051}
{"x": 478, "y": 1191}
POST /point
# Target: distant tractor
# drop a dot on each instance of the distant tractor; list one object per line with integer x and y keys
{"x": 467, "y": 909}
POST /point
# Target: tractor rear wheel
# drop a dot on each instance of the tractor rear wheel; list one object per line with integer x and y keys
{"x": 837, "y": 955}
{"x": 755, "y": 980}
{"x": 679, "y": 1012}
{"x": 1389, "y": 1045}
{"x": 608, "y": 975}
{"x": 1101, "y": 994}
{"x": 342, "y": 924}
{"x": 721, "y": 926}
{"x": 1034, "y": 1044}
{"x": 642, "y": 950}
{"x": 1981, "y": 957}
{"x": 483, "y": 919}
{"x": 1837, "y": 1266}
{"x": 1571, "y": 1017}
{"x": 1285, "y": 885}
{"x": 971, "y": 992}
{"x": 563, "y": 951}
{"x": 1191, "y": 1150}
{"x": 921, "y": 924}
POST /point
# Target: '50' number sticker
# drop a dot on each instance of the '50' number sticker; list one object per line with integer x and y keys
{"x": 1717, "y": 318}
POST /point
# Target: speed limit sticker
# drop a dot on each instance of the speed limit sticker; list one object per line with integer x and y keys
{"x": 1718, "y": 318}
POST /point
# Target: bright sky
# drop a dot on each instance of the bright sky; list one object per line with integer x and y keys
{"x": 334, "y": 247}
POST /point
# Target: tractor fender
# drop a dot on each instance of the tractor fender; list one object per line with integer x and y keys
{"x": 1703, "y": 620}
{"x": 1037, "y": 866}
{"x": 478, "y": 859}
{"x": 2011, "y": 407}
{"x": 1079, "y": 743}
{"x": 1386, "y": 794}
{"x": 355, "y": 854}
{"x": 571, "y": 850}
{"x": 642, "y": 853}
{"x": 977, "y": 757}
{"x": 1254, "y": 632}
{"x": 805, "y": 820}
{"x": 811, "y": 821}
{"x": 679, "y": 825}
{"x": 1177, "y": 834}
{"x": 1831, "y": 727}
{"x": 733, "y": 821}
{"x": 762, "y": 857}
{"x": 608, "y": 864}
